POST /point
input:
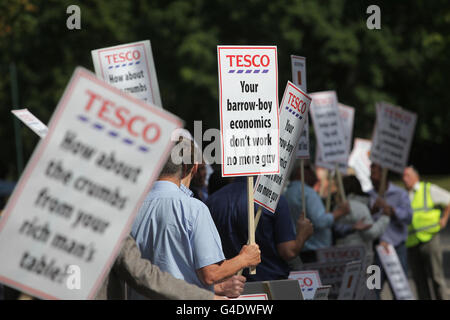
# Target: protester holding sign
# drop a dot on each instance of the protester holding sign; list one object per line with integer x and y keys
{"x": 274, "y": 234}
{"x": 395, "y": 203}
{"x": 176, "y": 232}
{"x": 364, "y": 229}
{"x": 315, "y": 211}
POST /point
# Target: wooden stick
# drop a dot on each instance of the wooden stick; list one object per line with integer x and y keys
{"x": 251, "y": 216}
{"x": 302, "y": 174}
{"x": 258, "y": 215}
{"x": 328, "y": 203}
{"x": 340, "y": 184}
{"x": 383, "y": 185}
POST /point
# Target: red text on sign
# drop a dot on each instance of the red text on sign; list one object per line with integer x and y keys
{"x": 121, "y": 117}
{"x": 297, "y": 103}
{"x": 239, "y": 60}
{"x": 126, "y": 56}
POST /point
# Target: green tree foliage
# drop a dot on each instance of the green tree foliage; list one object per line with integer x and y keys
{"x": 405, "y": 63}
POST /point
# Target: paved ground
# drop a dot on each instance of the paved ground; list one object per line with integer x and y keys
{"x": 445, "y": 247}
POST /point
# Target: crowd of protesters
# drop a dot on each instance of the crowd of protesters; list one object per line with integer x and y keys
{"x": 189, "y": 238}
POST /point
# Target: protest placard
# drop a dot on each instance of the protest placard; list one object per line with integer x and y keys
{"x": 392, "y": 137}
{"x": 331, "y": 273}
{"x": 294, "y": 110}
{"x": 248, "y": 88}
{"x": 130, "y": 68}
{"x": 341, "y": 253}
{"x": 362, "y": 289}
{"x": 75, "y": 202}
{"x": 328, "y": 126}
{"x": 31, "y": 121}
{"x": 360, "y": 162}
{"x": 309, "y": 281}
{"x": 347, "y": 116}
{"x": 298, "y": 67}
{"x": 322, "y": 293}
{"x": 350, "y": 280}
{"x": 395, "y": 274}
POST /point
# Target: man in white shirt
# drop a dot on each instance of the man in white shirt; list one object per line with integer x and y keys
{"x": 424, "y": 254}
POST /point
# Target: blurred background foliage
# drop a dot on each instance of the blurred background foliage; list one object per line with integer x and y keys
{"x": 405, "y": 63}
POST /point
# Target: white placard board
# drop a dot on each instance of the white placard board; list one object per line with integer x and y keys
{"x": 322, "y": 293}
{"x": 347, "y": 116}
{"x": 395, "y": 274}
{"x": 130, "y": 68}
{"x": 392, "y": 137}
{"x": 309, "y": 281}
{"x": 298, "y": 67}
{"x": 73, "y": 207}
{"x": 350, "y": 280}
{"x": 328, "y": 126}
{"x": 362, "y": 289}
{"x": 360, "y": 162}
{"x": 294, "y": 110}
{"x": 31, "y": 122}
{"x": 249, "y": 115}
{"x": 331, "y": 273}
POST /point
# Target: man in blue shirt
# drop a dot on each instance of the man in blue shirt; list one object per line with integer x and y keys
{"x": 274, "y": 234}
{"x": 395, "y": 203}
{"x": 177, "y": 234}
{"x": 315, "y": 210}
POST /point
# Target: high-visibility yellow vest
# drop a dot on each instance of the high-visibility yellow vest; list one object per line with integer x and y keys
{"x": 425, "y": 219}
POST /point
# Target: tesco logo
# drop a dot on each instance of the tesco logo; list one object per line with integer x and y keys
{"x": 121, "y": 117}
{"x": 305, "y": 282}
{"x": 297, "y": 103}
{"x": 126, "y": 56}
{"x": 245, "y": 61}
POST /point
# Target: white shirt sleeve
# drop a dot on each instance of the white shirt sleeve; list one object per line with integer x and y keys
{"x": 439, "y": 195}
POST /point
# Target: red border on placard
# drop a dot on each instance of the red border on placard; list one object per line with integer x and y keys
{"x": 126, "y": 46}
{"x": 306, "y": 271}
{"x": 79, "y": 73}
{"x": 220, "y": 103}
{"x": 289, "y": 84}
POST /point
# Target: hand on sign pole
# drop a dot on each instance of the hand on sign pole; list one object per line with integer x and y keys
{"x": 381, "y": 204}
{"x": 385, "y": 245}
{"x": 251, "y": 255}
{"x": 360, "y": 225}
{"x": 232, "y": 287}
{"x": 304, "y": 227}
{"x": 258, "y": 216}
{"x": 341, "y": 210}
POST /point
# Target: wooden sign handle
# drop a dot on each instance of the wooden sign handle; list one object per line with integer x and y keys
{"x": 251, "y": 216}
{"x": 258, "y": 215}
{"x": 340, "y": 184}
{"x": 302, "y": 174}
{"x": 328, "y": 202}
{"x": 383, "y": 185}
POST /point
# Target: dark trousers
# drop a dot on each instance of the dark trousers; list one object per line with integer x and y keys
{"x": 425, "y": 261}
{"x": 402, "y": 256}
